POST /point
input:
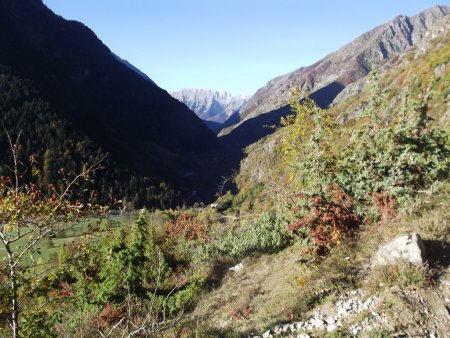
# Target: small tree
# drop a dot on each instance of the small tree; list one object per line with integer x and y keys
{"x": 321, "y": 210}
{"x": 306, "y": 145}
{"x": 27, "y": 217}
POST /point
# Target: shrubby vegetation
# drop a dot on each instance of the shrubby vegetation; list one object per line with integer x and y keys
{"x": 267, "y": 234}
{"x": 397, "y": 157}
{"x": 144, "y": 275}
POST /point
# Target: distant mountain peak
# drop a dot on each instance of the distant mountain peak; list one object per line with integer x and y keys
{"x": 211, "y": 105}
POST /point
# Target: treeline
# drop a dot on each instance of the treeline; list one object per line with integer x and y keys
{"x": 57, "y": 150}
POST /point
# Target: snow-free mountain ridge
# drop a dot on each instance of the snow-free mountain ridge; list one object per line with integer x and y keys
{"x": 329, "y": 76}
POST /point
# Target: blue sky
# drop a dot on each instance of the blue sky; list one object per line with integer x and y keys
{"x": 235, "y": 45}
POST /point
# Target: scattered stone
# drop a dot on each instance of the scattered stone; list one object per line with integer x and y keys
{"x": 440, "y": 70}
{"x": 409, "y": 247}
{"x": 299, "y": 325}
{"x": 331, "y": 320}
{"x": 267, "y": 334}
{"x": 237, "y": 267}
{"x": 318, "y": 323}
{"x": 355, "y": 329}
{"x": 303, "y": 335}
{"x": 331, "y": 327}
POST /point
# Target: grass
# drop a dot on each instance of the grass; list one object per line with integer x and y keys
{"x": 401, "y": 274}
{"x": 281, "y": 287}
{"x": 49, "y": 248}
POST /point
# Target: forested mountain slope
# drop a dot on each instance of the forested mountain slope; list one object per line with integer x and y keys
{"x": 63, "y": 87}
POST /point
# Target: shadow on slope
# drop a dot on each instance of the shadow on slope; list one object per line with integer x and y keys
{"x": 262, "y": 125}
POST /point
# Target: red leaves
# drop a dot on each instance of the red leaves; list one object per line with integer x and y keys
{"x": 109, "y": 315}
{"x": 66, "y": 291}
{"x": 237, "y": 315}
{"x": 329, "y": 221}
{"x": 191, "y": 226}
{"x": 386, "y": 205}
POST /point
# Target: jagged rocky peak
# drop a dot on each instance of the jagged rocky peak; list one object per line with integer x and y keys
{"x": 211, "y": 105}
{"x": 330, "y": 75}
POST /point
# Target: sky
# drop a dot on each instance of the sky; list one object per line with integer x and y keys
{"x": 233, "y": 45}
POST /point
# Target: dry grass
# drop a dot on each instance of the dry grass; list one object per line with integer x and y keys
{"x": 278, "y": 288}
{"x": 264, "y": 290}
{"x": 402, "y": 274}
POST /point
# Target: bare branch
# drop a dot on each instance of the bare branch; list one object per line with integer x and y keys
{"x": 225, "y": 180}
{"x": 14, "y": 147}
{"x": 114, "y": 327}
{"x": 93, "y": 167}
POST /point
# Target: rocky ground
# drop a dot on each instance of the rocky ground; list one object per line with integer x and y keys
{"x": 422, "y": 313}
{"x": 391, "y": 311}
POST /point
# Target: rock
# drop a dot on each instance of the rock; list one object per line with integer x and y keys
{"x": 267, "y": 334}
{"x": 303, "y": 335}
{"x": 440, "y": 70}
{"x": 318, "y": 323}
{"x": 288, "y": 328}
{"x": 409, "y": 248}
{"x": 331, "y": 327}
{"x": 355, "y": 329}
{"x": 299, "y": 325}
{"x": 237, "y": 267}
{"x": 331, "y": 320}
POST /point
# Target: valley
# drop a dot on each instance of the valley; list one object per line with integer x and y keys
{"x": 129, "y": 211}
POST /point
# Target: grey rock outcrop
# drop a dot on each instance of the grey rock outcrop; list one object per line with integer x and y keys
{"x": 408, "y": 247}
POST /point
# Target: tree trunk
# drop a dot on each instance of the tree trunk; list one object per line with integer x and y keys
{"x": 13, "y": 286}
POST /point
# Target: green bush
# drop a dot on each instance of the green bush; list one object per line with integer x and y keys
{"x": 268, "y": 234}
{"x": 187, "y": 296}
{"x": 397, "y": 158}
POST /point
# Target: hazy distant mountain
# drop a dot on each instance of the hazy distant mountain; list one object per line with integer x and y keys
{"x": 328, "y": 77}
{"x": 211, "y": 105}
{"x": 74, "y": 102}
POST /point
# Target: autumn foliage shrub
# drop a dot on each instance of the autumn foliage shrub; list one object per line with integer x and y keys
{"x": 386, "y": 205}
{"x": 109, "y": 315}
{"x": 189, "y": 226}
{"x": 327, "y": 221}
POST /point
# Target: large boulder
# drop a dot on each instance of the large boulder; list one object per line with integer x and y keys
{"x": 408, "y": 247}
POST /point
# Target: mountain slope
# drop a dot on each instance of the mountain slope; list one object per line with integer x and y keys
{"x": 133, "y": 68}
{"x": 146, "y": 132}
{"x": 279, "y": 278}
{"x": 426, "y": 65}
{"x": 211, "y": 105}
{"x": 328, "y": 77}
